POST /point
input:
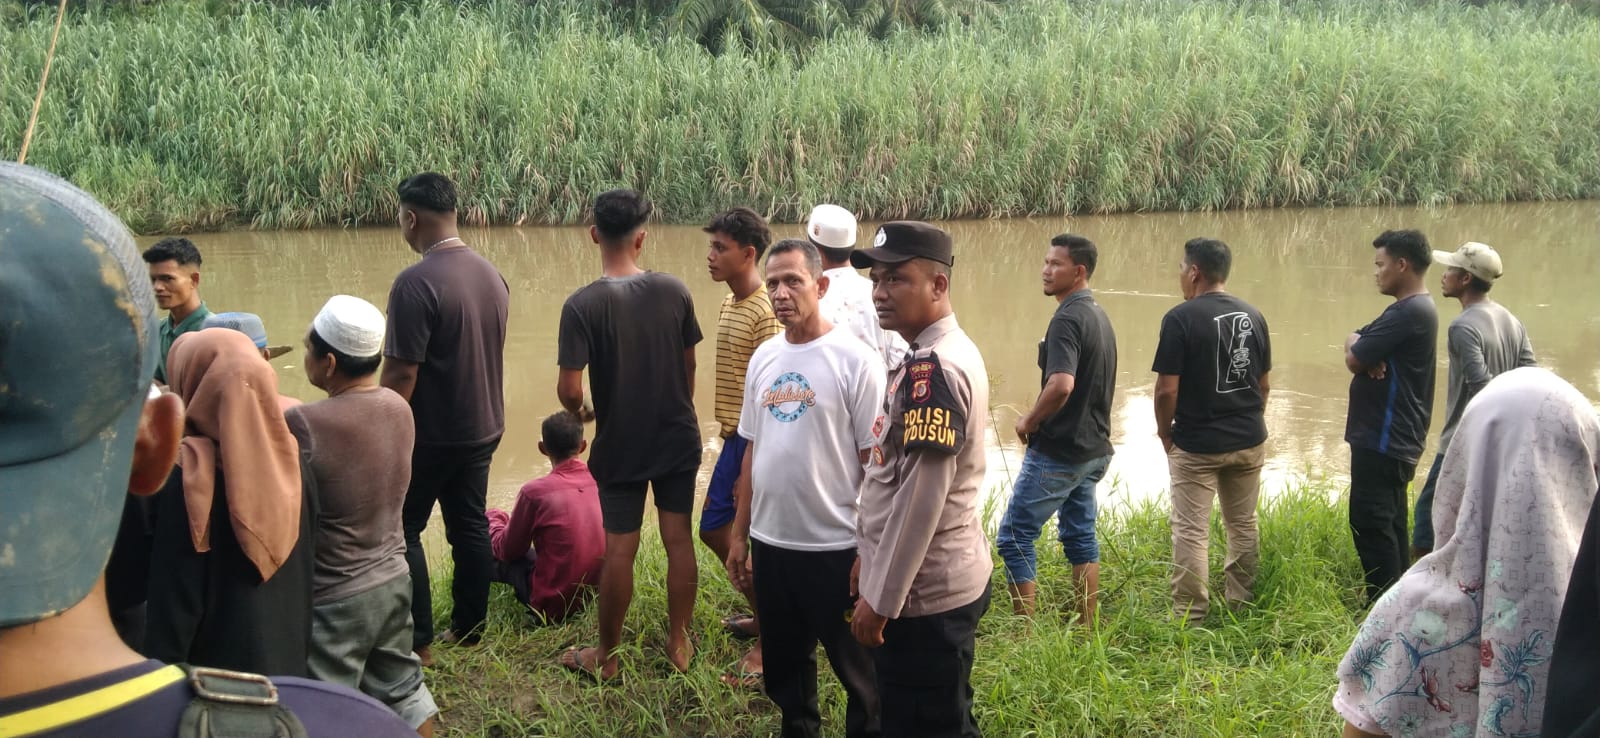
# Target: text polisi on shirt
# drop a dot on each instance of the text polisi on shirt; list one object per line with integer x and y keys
{"x": 931, "y": 417}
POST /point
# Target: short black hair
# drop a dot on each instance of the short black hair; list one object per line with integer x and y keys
{"x": 813, "y": 257}
{"x": 180, "y": 250}
{"x": 1409, "y": 245}
{"x": 745, "y": 226}
{"x": 562, "y": 433}
{"x": 352, "y": 367}
{"x": 1081, "y": 250}
{"x": 618, "y": 213}
{"x": 429, "y": 191}
{"x": 1213, "y": 258}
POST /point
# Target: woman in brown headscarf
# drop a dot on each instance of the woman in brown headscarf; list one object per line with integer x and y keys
{"x": 230, "y": 575}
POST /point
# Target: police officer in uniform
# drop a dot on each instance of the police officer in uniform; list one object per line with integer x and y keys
{"x": 924, "y": 562}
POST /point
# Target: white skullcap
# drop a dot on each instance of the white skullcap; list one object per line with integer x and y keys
{"x": 350, "y": 325}
{"x": 832, "y": 227}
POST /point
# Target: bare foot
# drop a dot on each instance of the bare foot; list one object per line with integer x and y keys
{"x": 680, "y": 651}
{"x": 587, "y": 661}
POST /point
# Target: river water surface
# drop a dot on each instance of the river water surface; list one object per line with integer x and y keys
{"x": 1308, "y": 271}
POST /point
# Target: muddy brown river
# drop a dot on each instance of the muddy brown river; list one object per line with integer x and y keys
{"x": 1308, "y": 271}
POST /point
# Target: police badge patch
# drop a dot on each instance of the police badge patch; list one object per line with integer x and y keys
{"x": 921, "y": 381}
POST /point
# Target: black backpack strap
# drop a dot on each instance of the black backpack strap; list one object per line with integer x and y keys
{"x": 233, "y": 704}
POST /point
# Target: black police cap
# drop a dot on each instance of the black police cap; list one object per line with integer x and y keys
{"x": 904, "y": 240}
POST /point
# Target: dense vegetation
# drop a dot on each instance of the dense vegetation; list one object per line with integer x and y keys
{"x": 1266, "y": 672}
{"x": 188, "y": 114}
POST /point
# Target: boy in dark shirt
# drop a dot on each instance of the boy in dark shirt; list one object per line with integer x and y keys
{"x": 634, "y": 332}
{"x": 551, "y": 545}
{"x": 1391, "y": 405}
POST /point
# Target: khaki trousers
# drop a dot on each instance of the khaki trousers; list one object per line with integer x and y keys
{"x": 1234, "y": 478}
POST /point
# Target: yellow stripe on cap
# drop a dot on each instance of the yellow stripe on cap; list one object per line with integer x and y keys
{"x": 88, "y": 705}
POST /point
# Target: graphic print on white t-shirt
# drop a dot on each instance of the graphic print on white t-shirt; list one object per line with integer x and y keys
{"x": 1233, "y": 351}
{"x": 788, "y": 397}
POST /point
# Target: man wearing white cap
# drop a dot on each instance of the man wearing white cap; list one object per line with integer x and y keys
{"x": 357, "y": 445}
{"x": 848, "y": 301}
{"x": 1485, "y": 341}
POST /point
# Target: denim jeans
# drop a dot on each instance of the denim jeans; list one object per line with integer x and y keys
{"x": 1043, "y": 488}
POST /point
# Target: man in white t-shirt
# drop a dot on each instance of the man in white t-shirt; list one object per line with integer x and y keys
{"x": 813, "y": 404}
{"x": 848, "y": 300}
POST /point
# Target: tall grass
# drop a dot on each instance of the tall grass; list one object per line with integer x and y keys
{"x": 1269, "y": 671}
{"x": 279, "y": 116}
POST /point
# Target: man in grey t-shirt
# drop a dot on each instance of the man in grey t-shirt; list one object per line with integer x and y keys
{"x": 1485, "y": 341}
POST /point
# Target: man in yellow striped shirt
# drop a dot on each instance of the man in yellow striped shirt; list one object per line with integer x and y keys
{"x": 739, "y": 237}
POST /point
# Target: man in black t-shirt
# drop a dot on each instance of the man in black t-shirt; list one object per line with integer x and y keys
{"x": 1212, "y": 366}
{"x": 76, "y": 437}
{"x": 1068, "y": 433}
{"x": 445, "y": 354}
{"x": 635, "y": 332}
{"x": 1391, "y": 405}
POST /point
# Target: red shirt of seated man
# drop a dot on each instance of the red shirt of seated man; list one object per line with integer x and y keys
{"x": 550, "y": 546}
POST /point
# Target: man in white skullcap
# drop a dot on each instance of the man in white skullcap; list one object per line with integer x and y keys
{"x": 357, "y": 446}
{"x": 848, "y": 301}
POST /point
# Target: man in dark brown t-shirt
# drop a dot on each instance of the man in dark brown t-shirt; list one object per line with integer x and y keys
{"x": 444, "y": 353}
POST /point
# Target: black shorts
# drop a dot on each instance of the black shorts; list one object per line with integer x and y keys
{"x": 622, "y": 503}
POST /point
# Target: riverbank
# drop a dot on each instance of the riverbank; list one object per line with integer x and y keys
{"x": 1266, "y": 672}
{"x": 291, "y": 116}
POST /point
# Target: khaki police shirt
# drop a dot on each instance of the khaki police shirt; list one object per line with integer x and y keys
{"x": 921, "y": 539}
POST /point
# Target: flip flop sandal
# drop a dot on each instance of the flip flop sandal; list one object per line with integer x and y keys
{"x": 572, "y": 660}
{"x": 738, "y": 626}
{"x": 748, "y": 680}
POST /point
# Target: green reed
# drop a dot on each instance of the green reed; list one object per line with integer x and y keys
{"x": 1269, "y": 671}
{"x": 183, "y": 116}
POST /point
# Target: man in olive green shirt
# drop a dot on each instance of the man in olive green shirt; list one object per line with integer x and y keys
{"x": 175, "y": 275}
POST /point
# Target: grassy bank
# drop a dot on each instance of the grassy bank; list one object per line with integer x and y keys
{"x": 279, "y": 116}
{"x": 1267, "y": 672}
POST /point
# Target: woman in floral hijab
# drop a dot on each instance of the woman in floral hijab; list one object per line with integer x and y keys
{"x": 1461, "y": 645}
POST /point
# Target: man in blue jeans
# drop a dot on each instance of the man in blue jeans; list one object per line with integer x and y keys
{"x": 1068, "y": 433}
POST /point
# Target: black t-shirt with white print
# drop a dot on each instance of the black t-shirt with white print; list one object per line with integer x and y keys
{"x": 1218, "y": 347}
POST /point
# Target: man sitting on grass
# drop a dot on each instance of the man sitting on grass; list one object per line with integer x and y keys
{"x": 549, "y": 548}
